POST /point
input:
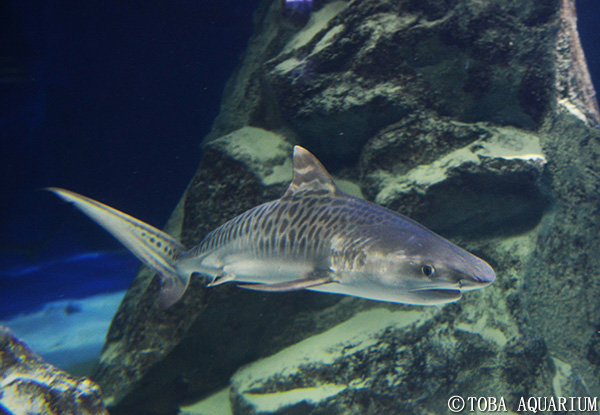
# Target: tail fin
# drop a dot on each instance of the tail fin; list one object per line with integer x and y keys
{"x": 153, "y": 247}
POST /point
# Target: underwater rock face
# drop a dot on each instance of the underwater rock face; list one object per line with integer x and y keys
{"x": 30, "y": 386}
{"x": 476, "y": 119}
{"x": 456, "y": 177}
{"x": 398, "y": 362}
{"x": 352, "y": 68}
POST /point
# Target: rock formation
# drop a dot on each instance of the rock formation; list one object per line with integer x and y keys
{"x": 475, "y": 118}
{"x": 30, "y": 386}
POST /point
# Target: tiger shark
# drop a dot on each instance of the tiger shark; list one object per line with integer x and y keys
{"x": 314, "y": 237}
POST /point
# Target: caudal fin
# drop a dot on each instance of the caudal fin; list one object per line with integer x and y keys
{"x": 153, "y": 247}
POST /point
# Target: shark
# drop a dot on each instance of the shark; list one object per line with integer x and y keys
{"x": 315, "y": 237}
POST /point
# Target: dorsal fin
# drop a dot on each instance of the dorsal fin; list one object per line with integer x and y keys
{"x": 309, "y": 174}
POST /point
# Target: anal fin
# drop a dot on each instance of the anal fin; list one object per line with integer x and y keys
{"x": 315, "y": 279}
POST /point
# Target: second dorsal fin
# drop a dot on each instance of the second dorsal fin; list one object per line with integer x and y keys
{"x": 309, "y": 174}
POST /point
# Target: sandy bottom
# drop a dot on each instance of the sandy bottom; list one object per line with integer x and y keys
{"x": 70, "y": 333}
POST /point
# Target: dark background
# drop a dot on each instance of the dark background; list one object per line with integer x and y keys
{"x": 111, "y": 99}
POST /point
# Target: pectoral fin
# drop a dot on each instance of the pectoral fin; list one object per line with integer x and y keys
{"x": 221, "y": 279}
{"x": 314, "y": 280}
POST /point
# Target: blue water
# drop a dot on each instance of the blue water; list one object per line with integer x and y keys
{"x": 110, "y": 99}
{"x": 588, "y": 15}
{"x": 27, "y": 286}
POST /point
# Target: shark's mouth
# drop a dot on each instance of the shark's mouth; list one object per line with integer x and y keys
{"x": 470, "y": 285}
{"x": 433, "y": 296}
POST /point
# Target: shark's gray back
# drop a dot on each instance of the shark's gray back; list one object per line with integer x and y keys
{"x": 314, "y": 220}
{"x": 297, "y": 226}
{"x": 303, "y": 225}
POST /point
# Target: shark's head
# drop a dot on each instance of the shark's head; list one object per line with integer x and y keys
{"x": 425, "y": 269}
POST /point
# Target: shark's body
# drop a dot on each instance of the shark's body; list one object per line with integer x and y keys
{"x": 314, "y": 237}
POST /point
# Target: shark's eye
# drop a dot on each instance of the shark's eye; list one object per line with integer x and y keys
{"x": 427, "y": 270}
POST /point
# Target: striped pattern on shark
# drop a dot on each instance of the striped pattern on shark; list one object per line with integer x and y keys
{"x": 314, "y": 237}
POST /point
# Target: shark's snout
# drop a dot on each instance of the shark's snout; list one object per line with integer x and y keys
{"x": 479, "y": 276}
